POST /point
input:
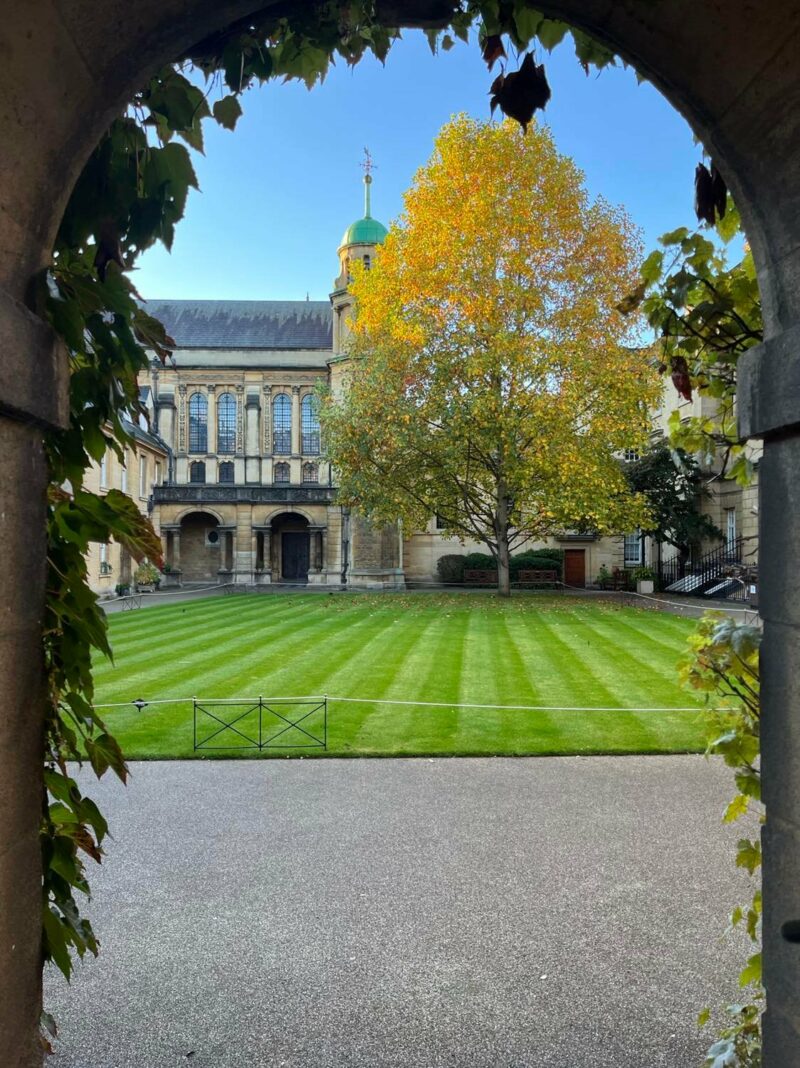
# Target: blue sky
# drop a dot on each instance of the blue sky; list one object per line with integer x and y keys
{"x": 278, "y": 192}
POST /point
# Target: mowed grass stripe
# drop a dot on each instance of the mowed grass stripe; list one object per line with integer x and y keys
{"x": 233, "y": 651}
{"x": 229, "y": 616}
{"x": 377, "y": 725}
{"x": 458, "y": 649}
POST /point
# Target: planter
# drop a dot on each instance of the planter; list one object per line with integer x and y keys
{"x": 645, "y": 586}
{"x": 171, "y": 578}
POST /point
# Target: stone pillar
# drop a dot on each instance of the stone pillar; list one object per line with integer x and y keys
{"x": 267, "y": 551}
{"x": 33, "y": 395}
{"x": 176, "y": 549}
{"x": 183, "y": 430}
{"x": 165, "y": 418}
{"x": 212, "y": 419}
{"x": 323, "y": 549}
{"x": 769, "y": 408}
{"x": 252, "y": 452}
{"x": 266, "y": 443}
{"x": 295, "y": 420}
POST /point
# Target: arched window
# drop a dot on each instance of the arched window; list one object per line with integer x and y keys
{"x": 197, "y": 471}
{"x": 226, "y": 472}
{"x": 367, "y": 262}
{"x": 310, "y": 473}
{"x": 310, "y": 425}
{"x": 281, "y": 473}
{"x": 226, "y": 424}
{"x": 198, "y": 423}
{"x": 282, "y": 426}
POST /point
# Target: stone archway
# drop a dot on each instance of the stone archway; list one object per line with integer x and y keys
{"x": 202, "y": 548}
{"x": 66, "y": 73}
{"x": 291, "y": 548}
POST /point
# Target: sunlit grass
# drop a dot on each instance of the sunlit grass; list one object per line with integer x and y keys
{"x": 555, "y": 652}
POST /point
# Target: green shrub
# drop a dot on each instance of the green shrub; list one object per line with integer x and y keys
{"x": 479, "y": 562}
{"x": 603, "y": 579}
{"x": 451, "y": 568}
{"x": 538, "y": 560}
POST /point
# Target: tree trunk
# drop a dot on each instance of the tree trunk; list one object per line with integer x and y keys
{"x": 501, "y": 538}
{"x": 503, "y": 568}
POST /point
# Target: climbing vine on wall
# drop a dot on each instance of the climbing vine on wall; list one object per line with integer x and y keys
{"x": 723, "y": 664}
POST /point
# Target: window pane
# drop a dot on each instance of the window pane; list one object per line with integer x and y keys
{"x": 226, "y": 424}
{"x": 226, "y": 472}
{"x": 197, "y": 472}
{"x": 310, "y": 426}
{"x": 633, "y": 548}
{"x": 198, "y": 423}
{"x": 282, "y": 425}
{"x": 310, "y": 473}
{"x": 281, "y": 472}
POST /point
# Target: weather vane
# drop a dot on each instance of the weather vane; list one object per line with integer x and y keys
{"x": 368, "y": 166}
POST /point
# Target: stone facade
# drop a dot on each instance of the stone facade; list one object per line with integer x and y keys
{"x": 145, "y": 465}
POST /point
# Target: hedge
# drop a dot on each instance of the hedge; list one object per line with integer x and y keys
{"x": 451, "y": 568}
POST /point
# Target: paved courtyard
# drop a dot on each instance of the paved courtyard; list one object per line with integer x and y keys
{"x": 553, "y": 913}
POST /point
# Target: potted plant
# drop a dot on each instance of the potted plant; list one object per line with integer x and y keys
{"x": 147, "y": 577}
{"x": 645, "y": 579}
{"x": 603, "y": 579}
{"x": 122, "y": 589}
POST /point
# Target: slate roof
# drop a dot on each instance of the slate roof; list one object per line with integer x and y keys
{"x": 246, "y": 324}
{"x": 146, "y": 436}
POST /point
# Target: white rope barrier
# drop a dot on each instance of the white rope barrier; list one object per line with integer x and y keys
{"x": 407, "y": 704}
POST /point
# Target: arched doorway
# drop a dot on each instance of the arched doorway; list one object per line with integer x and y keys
{"x": 202, "y": 547}
{"x": 736, "y": 80}
{"x": 291, "y": 548}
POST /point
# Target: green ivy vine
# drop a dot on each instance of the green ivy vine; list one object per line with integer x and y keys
{"x": 723, "y": 663}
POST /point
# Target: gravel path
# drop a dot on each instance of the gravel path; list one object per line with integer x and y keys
{"x": 553, "y": 913}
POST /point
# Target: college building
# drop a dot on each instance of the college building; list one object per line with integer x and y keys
{"x": 232, "y": 471}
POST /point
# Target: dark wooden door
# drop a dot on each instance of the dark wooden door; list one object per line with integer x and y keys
{"x": 575, "y": 567}
{"x": 295, "y": 557}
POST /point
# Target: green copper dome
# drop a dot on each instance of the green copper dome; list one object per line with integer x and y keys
{"x": 366, "y": 231}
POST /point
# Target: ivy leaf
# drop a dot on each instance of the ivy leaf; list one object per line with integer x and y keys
{"x": 527, "y": 21}
{"x": 522, "y": 92}
{"x": 751, "y": 973}
{"x": 748, "y": 855}
{"x": 736, "y": 809}
{"x": 227, "y": 112}
{"x": 493, "y": 50}
{"x": 551, "y": 33}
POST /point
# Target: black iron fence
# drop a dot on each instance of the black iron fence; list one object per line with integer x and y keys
{"x": 261, "y": 723}
{"x": 723, "y": 573}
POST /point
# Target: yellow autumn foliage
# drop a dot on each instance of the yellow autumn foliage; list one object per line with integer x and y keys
{"x": 491, "y": 379}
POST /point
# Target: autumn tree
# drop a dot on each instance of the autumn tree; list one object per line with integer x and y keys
{"x": 491, "y": 380}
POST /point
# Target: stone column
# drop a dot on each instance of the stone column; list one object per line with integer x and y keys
{"x": 295, "y": 420}
{"x": 267, "y": 550}
{"x": 165, "y": 418}
{"x": 182, "y": 421}
{"x": 769, "y": 408}
{"x": 252, "y": 452}
{"x": 212, "y": 419}
{"x": 176, "y": 549}
{"x": 33, "y": 395}
{"x": 266, "y": 444}
{"x": 323, "y": 549}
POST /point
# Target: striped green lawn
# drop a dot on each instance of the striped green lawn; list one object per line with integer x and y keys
{"x": 542, "y": 650}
